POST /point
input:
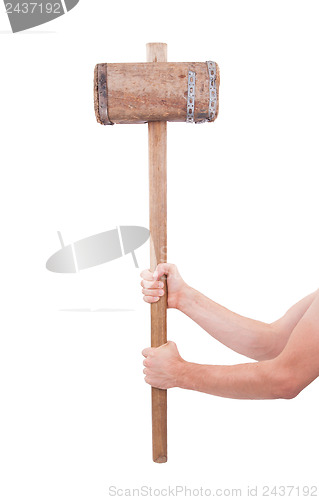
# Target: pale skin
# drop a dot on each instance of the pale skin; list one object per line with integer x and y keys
{"x": 286, "y": 351}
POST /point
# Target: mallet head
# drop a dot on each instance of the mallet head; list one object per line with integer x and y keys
{"x": 159, "y": 91}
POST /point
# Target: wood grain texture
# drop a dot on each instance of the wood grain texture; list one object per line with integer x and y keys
{"x": 157, "y": 133}
{"x": 153, "y": 91}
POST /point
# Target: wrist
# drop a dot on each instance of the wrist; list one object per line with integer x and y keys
{"x": 182, "y": 376}
{"x": 194, "y": 377}
{"x": 183, "y": 297}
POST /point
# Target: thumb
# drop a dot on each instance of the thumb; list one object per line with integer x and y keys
{"x": 160, "y": 270}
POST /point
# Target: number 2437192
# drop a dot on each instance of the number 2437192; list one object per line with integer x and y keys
{"x": 34, "y": 8}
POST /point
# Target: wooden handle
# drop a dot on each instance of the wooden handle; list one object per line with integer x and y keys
{"x": 157, "y": 137}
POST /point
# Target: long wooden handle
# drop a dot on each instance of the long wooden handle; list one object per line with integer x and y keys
{"x": 157, "y": 137}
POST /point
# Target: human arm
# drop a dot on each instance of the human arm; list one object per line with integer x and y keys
{"x": 254, "y": 339}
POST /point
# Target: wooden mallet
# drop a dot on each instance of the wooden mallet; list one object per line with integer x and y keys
{"x": 156, "y": 92}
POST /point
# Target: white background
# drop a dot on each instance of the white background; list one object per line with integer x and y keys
{"x": 243, "y": 228}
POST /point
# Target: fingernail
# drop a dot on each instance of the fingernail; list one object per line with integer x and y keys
{"x": 156, "y": 299}
{"x": 161, "y": 292}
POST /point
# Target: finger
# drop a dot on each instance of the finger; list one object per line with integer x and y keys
{"x": 162, "y": 269}
{"x": 152, "y": 284}
{"x": 145, "y": 371}
{"x": 171, "y": 343}
{"x": 147, "y": 275}
{"x": 167, "y": 344}
{"x": 153, "y": 293}
{"x": 150, "y": 300}
{"x": 147, "y": 351}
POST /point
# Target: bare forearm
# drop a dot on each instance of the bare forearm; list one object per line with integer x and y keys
{"x": 246, "y": 381}
{"x": 252, "y": 338}
{"x": 255, "y": 339}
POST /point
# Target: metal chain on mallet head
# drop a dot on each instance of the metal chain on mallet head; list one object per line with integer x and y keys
{"x": 211, "y": 66}
{"x": 212, "y": 90}
{"x": 191, "y": 97}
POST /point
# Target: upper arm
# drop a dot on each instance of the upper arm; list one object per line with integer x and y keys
{"x": 299, "y": 360}
{"x": 285, "y": 325}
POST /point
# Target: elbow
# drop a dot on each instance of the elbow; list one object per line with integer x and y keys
{"x": 286, "y": 385}
{"x": 289, "y": 391}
